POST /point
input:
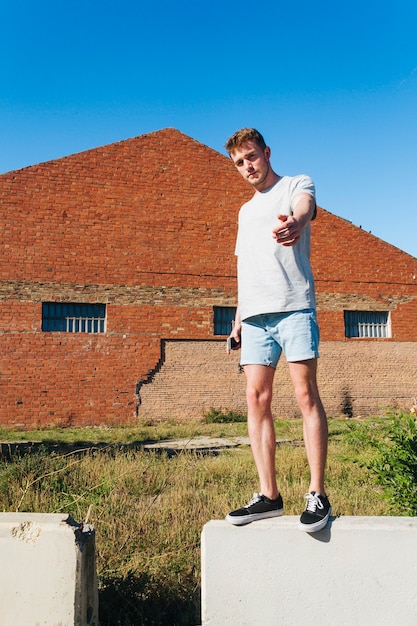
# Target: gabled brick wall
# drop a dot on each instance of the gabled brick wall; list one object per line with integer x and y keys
{"x": 148, "y": 226}
{"x": 157, "y": 210}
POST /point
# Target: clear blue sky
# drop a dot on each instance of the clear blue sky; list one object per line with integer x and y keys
{"x": 331, "y": 85}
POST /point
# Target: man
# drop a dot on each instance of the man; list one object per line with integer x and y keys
{"x": 276, "y": 313}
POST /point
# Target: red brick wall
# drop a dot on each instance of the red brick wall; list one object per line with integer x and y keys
{"x": 160, "y": 210}
{"x": 355, "y": 270}
{"x": 147, "y": 226}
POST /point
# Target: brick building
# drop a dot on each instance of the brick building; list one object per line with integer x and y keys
{"x": 117, "y": 278}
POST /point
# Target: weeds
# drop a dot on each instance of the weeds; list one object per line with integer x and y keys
{"x": 395, "y": 464}
{"x": 226, "y": 416}
{"x": 388, "y": 449}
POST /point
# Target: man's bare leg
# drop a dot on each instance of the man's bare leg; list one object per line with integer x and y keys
{"x": 304, "y": 379}
{"x": 259, "y": 379}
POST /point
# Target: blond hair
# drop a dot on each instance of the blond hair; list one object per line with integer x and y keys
{"x": 242, "y": 136}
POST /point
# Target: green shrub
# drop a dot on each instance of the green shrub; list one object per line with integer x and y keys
{"x": 395, "y": 464}
{"x": 223, "y": 416}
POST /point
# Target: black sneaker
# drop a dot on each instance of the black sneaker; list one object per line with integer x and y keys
{"x": 316, "y": 514}
{"x": 260, "y": 507}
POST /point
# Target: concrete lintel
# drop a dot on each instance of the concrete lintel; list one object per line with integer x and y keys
{"x": 48, "y": 571}
{"x": 359, "y": 570}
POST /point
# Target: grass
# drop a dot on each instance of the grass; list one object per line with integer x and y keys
{"x": 149, "y": 508}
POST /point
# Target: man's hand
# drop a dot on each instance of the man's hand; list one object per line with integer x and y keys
{"x": 289, "y": 229}
{"x": 288, "y": 232}
{"x": 235, "y": 334}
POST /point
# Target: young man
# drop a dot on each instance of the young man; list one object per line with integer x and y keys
{"x": 276, "y": 313}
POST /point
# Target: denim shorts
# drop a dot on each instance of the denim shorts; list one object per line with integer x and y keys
{"x": 266, "y": 336}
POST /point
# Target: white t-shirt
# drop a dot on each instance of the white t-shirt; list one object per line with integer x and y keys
{"x": 273, "y": 278}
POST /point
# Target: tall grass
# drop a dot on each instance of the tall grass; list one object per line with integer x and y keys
{"x": 149, "y": 508}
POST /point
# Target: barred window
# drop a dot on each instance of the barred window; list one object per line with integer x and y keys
{"x": 223, "y": 319}
{"x": 69, "y": 317}
{"x": 367, "y": 324}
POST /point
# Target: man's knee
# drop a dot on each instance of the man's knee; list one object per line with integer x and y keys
{"x": 256, "y": 397}
{"x": 307, "y": 397}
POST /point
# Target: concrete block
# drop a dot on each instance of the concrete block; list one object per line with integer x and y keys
{"x": 47, "y": 574}
{"x": 358, "y": 570}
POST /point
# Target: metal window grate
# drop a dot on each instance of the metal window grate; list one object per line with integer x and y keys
{"x": 367, "y": 324}
{"x": 73, "y": 318}
{"x": 223, "y": 319}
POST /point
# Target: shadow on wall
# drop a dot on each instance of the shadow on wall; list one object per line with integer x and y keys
{"x": 346, "y": 405}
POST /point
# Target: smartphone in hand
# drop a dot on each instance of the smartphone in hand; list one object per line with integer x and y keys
{"x": 232, "y": 344}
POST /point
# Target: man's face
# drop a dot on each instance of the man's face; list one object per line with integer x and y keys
{"x": 253, "y": 164}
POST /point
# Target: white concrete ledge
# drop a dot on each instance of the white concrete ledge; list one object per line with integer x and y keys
{"x": 47, "y": 572}
{"x": 359, "y": 571}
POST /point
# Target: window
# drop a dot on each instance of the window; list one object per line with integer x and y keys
{"x": 367, "y": 324}
{"x": 223, "y": 319}
{"x": 73, "y": 318}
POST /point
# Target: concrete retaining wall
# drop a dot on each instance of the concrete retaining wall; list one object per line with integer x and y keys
{"x": 47, "y": 573}
{"x": 359, "y": 570}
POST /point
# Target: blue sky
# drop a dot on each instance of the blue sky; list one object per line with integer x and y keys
{"x": 331, "y": 85}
